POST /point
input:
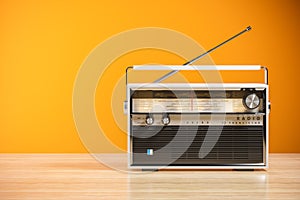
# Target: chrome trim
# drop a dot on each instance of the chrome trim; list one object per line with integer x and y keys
{"x": 196, "y": 68}
{"x": 201, "y": 120}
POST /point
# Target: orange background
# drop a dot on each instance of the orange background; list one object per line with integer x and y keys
{"x": 43, "y": 44}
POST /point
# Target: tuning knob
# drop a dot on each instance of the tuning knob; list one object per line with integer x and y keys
{"x": 251, "y": 101}
{"x": 149, "y": 120}
{"x": 165, "y": 120}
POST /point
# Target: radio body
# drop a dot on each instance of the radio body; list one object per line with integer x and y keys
{"x": 198, "y": 125}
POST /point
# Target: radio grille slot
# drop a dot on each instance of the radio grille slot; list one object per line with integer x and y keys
{"x": 236, "y": 144}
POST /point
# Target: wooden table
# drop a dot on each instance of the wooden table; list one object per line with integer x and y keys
{"x": 80, "y": 176}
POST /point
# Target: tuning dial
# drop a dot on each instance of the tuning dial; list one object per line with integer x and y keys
{"x": 165, "y": 120}
{"x": 149, "y": 120}
{"x": 251, "y": 101}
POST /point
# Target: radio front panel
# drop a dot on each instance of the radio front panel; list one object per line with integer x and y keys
{"x": 180, "y": 126}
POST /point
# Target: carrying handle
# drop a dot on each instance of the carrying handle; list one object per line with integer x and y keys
{"x": 200, "y": 68}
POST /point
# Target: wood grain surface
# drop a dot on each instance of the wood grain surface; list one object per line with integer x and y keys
{"x": 80, "y": 176}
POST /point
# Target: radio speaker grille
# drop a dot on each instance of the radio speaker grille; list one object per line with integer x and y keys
{"x": 235, "y": 145}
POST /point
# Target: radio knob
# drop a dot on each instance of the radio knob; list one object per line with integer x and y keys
{"x": 165, "y": 120}
{"x": 251, "y": 101}
{"x": 149, "y": 120}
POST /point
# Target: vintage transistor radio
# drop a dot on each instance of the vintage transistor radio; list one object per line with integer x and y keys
{"x": 198, "y": 125}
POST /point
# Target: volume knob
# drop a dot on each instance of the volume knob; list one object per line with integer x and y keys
{"x": 165, "y": 120}
{"x": 149, "y": 120}
{"x": 251, "y": 101}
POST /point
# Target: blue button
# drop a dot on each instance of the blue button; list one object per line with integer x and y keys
{"x": 149, "y": 152}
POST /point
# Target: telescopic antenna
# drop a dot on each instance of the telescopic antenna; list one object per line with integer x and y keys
{"x": 202, "y": 55}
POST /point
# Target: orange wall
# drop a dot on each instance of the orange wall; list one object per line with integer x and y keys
{"x": 43, "y": 44}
